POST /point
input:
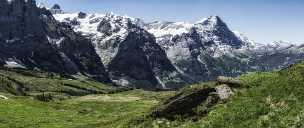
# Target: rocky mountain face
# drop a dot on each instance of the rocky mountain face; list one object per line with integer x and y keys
{"x": 31, "y": 38}
{"x": 197, "y": 52}
{"x": 208, "y": 49}
{"x": 194, "y": 48}
{"x": 129, "y": 52}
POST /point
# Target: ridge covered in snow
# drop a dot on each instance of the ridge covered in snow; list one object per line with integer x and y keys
{"x": 129, "y": 52}
{"x": 88, "y": 26}
{"x": 199, "y": 51}
{"x": 162, "y": 28}
{"x": 10, "y": 1}
{"x": 101, "y": 28}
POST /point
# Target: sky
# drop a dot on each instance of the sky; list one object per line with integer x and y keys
{"x": 263, "y": 21}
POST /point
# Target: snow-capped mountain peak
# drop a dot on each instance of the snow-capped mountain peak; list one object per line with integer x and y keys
{"x": 163, "y": 28}
{"x": 201, "y": 20}
{"x": 245, "y": 39}
{"x": 9, "y": 1}
{"x": 41, "y": 5}
{"x": 126, "y": 51}
{"x": 211, "y": 22}
{"x": 280, "y": 45}
{"x": 185, "y": 44}
{"x": 103, "y": 29}
{"x": 31, "y": 1}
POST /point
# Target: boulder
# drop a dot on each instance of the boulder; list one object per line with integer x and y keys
{"x": 183, "y": 103}
{"x": 82, "y": 15}
{"x": 194, "y": 103}
{"x": 56, "y": 6}
{"x": 230, "y": 81}
{"x": 224, "y": 91}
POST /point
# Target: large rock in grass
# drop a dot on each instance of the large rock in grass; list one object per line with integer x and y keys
{"x": 196, "y": 101}
{"x": 229, "y": 81}
{"x": 184, "y": 103}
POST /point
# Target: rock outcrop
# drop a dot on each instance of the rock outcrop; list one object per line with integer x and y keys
{"x": 197, "y": 101}
{"x": 184, "y": 103}
{"x": 234, "y": 82}
{"x": 31, "y": 37}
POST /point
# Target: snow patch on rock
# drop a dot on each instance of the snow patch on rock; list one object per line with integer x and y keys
{"x": 13, "y": 63}
{"x": 160, "y": 29}
{"x": 103, "y": 42}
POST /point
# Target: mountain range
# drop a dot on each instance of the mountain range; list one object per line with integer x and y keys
{"x": 127, "y": 51}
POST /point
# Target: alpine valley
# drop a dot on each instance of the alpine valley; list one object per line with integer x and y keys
{"x": 91, "y": 70}
{"x": 128, "y": 52}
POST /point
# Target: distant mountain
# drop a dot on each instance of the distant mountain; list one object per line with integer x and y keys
{"x": 196, "y": 48}
{"x": 129, "y": 52}
{"x": 209, "y": 48}
{"x": 199, "y": 52}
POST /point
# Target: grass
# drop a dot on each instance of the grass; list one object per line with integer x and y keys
{"x": 25, "y": 82}
{"x": 272, "y": 99}
{"x": 105, "y": 107}
{"x": 97, "y": 112}
{"x": 268, "y": 99}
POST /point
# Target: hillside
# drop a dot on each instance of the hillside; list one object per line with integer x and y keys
{"x": 92, "y": 111}
{"x": 24, "y": 82}
{"x": 127, "y": 51}
{"x": 47, "y": 100}
{"x": 266, "y": 99}
{"x": 63, "y": 69}
{"x": 262, "y": 99}
{"x": 171, "y": 55}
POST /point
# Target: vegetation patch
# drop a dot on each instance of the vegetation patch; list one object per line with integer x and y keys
{"x": 267, "y": 99}
{"x": 35, "y": 83}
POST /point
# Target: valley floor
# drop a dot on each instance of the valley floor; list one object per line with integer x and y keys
{"x": 262, "y": 100}
{"x": 91, "y": 111}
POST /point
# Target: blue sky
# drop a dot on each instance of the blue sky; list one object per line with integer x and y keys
{"x": 261, "y": 20}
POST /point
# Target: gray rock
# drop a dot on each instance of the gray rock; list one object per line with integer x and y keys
{"x": 56, "y": 6}
{"x": 234, "y": 82}
{"x": 184, "y": 103}
{"x": 144, "y": 63}
{"x": 82, "y": 15}
{"x": 56, "y": 9}
{"x": 224, "y": 91}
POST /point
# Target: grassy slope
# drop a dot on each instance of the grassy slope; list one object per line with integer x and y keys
{"x": 25, "y": 82}
{"x": 102, "y": 110}
{"x": 273, "y": 99}
{"x": 113, "y": 107}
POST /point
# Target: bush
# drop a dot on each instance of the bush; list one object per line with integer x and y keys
{"x": 45, "y": 97}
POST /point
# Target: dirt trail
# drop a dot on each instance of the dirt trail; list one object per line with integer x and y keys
{"x": 108, "y": 98}
{"x": 3, "y": 97}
